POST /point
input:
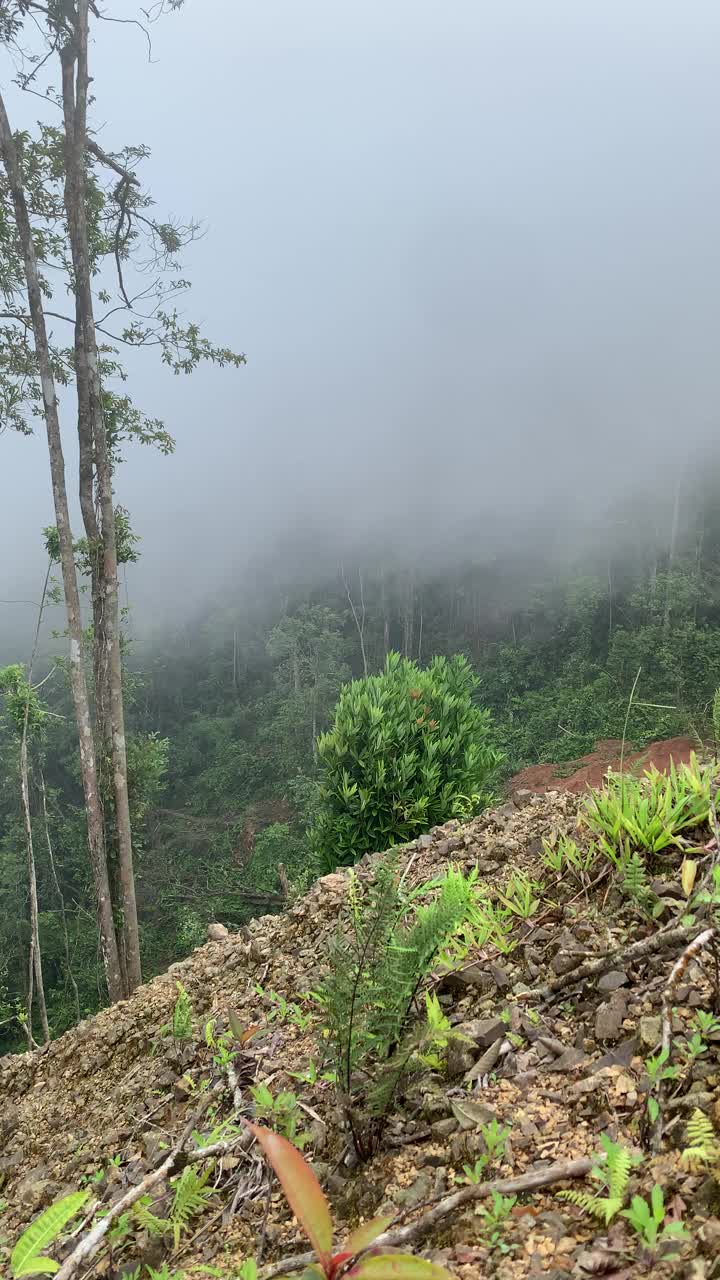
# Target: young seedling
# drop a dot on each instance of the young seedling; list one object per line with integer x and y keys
{"x": 648, "y": 1221}
{"x": 494, "y": 1219}
{"x": 358, "y": 1260}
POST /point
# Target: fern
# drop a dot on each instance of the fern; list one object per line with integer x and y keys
{"x": 702, "y": 1142}
{"x": 26, "y": 1258}
{"x": 182, "y": 1015}
{"x": 377, "y": 965}
{"x": 191, "y": 1196}
{"x": 613, "y": 1175}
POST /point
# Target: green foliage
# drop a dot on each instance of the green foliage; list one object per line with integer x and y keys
{"x": 495, "y": 1138}
{"x": 613, "y": 1175}
{"x": 182, "y": 1015}
{"x": 494, "y": 1218}
{"x": 408, "y": 749}
{"x": 648, "y": 814}
{"x": 436, "y": 1034}
{"x": 26, "y": 1258}
{"x": 520, "y": 895}
{"x": 565, "y": 857}
{"x": 282, "y": 1111}
{"x": 648, "y": 1220}
{"x": 191, "y": 1196}
{"x": 702, "y": 1144}
{"x": 377, "y": 965}
{"x": 307, "y": 1202}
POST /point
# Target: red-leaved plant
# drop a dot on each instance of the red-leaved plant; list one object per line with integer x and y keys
{"x": 307, "y": 1201}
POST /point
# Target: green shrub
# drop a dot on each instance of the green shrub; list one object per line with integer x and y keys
{"x": 381, "y": 956}
{"x": 408, "y": 750}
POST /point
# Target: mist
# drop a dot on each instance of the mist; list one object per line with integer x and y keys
{"x": 471, "y": 252}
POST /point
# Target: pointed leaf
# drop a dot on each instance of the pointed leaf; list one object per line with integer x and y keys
{"x": 38, "y": 1266}
{"x": 688, "y": 874}
{"x": 302, "y": 1189}
{"x": 398, "y": 1266}
{"x": 369, "y": 1231}
{"x": 42, "y": 1232}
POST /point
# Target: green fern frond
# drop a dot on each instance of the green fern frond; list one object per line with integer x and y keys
{"x": 616, "y": 1172}
{"x": 702, "y": 1141}
{"x": 581, "y": 1200}
{"x": 192, "y": 1196}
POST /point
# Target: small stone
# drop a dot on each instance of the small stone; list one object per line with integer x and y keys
{"x": 499, "y": 977}
{"x": 650, "y": 1030}
{"x": 216, "y": 932}
{"x": 564, "y": 963}
{"x": 522, "y": 797}
{"x": 567, "y": 1061}
{"x": 610, "y": 1016}
{"x": 425, "y": 841}
{"x": 483, "y": 1031}
{"x": 612, "y": 980}
{"x": 444, "y": 1128}
{"x": 420, "y": 1190}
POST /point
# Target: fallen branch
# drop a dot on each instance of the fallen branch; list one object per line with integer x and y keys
{"x": 85, "y": 1251}
{"x": 693, "y": 949}
{"x": 594, "y": 968}
{"x": 393, "y": 1239}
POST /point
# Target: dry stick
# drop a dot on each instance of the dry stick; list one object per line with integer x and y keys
{"x": 593, "y": 968}
{"x": 693, "y": 949}
{"x": 392, "y": 1239}
{"x": 85, "y": 1251}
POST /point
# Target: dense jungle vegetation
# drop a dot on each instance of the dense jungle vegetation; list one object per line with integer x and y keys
{"x": 225, "y": 714}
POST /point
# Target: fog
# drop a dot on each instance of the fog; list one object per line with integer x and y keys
{"x": 470, "y": 249}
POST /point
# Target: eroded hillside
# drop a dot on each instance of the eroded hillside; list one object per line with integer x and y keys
{"x": 556, "y": 1034}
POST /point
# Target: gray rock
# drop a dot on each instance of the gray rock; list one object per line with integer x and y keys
{"x": 564, "y": 963}
{"x": 521, "y": 797}
{"x": 567, "y": 1061}
{"x": 420, "y": 1190}
{"x": 444, "y": 1128}
{"x": 650, "y": 1030}
{"x": 609, "y": 1017}
{"x": 612, "y": 980}
{"x": 499, "y": 977}
{"x": 483, "y": 1031}
{"x": 425, "y": 841}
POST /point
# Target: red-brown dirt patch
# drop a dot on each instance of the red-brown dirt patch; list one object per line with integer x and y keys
{"x": 589, "y": 770}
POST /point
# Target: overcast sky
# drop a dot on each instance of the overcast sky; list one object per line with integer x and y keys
{"x": 470, "y": 249}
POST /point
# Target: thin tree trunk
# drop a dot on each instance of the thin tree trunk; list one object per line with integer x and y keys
{"x": 61, "y": 899}
{"x": 75, "y": 96}
{"x": 359, "y": 618}
{"x": 35, "y": 958}
{"x": 671, "y": 560}
{"x": 96, "y": 834}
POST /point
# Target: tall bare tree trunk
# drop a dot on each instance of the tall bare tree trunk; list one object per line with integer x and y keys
{"x": 35, "y": 959}
{"x": 671, "y": 560}
{"x": 109, "y": 658}
{"x": 96, "y": 833}
{"x": 61, "y": 900}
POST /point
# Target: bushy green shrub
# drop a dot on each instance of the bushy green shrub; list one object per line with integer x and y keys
{"x": 408, "y": 749}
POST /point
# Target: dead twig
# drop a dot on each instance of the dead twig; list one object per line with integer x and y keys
{"x": 594, "y": 968}
{"x": 691, "y": 950}
{"x": 392, "y": 1239}
{"x": 89, "y": 1245}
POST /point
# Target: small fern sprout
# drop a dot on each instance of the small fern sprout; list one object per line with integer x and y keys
{"x": 182, "y": 1015}
{"x": 613, "y": 1174}
{"x": 702, "y": 1144}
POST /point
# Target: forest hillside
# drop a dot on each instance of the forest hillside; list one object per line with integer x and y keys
{"x": 544, "y": 1127}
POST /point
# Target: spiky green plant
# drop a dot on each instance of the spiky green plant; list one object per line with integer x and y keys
{"x": 26, "y": 1258}
{"x": 385, "y": 948}
{"x": 648, "y": 814}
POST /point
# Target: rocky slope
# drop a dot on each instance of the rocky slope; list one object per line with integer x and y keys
{"x": 100, "y": 1106}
